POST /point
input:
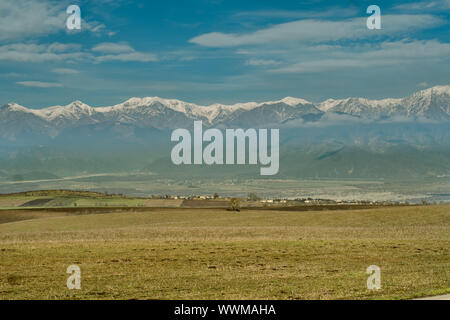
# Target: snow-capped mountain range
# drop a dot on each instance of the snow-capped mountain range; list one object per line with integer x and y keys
{"x": 153, "y": 112}
{"x": 432, "y": 103}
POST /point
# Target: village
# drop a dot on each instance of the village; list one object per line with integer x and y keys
{"x": 252, "y": 200}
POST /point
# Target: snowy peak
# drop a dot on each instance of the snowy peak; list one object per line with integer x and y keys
{"x": 148, "y": 101}
{"x": 290, "y": 101}
{"x": 14, "y": 107}
{"x": 182, "y": 106}
{"x": 435, "y": 90}
{"x": 432, "y": 103}
{"x": 74, "y": 111}
{"x": 156, "y": 112}
{"x": 208, "y": 113}
{"x": 328, "y": 104}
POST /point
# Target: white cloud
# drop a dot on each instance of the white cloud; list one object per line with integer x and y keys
{"x": 93, "y": 26}
{"x": 386, "y": 53}
{"x": 121, "y": 52}
{"x": 63, "y": 47}
{"x": 424, "y": 6}
{"x": 65, "y": 71}
{"x": 39, "y": 84}
{"x": 111, "y": 47}
{"x": 316, "y": 31}
{"x": 33, "y": 18}
{"x": 57, "y": 52}
{"x": 23, "y": 52}
{"x": 292, "y": 14}
{"x": 261, "y": 62}
{"x": 132, "y": 56}
{"x": 21, "y": 18}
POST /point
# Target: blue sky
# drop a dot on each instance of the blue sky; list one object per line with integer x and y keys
{"x": 207, "y": 51}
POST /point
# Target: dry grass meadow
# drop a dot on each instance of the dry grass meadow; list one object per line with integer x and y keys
{"x": 184, "y": 253}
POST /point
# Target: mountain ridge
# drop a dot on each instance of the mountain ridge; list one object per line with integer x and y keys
{"x": 428, "y": 104}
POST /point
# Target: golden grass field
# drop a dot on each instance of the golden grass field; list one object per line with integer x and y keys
{"x": 183, "y": 253}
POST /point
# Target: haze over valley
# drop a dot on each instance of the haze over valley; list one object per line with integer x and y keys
{"x": 126, "y": 147}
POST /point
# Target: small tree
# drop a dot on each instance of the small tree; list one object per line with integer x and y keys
{"x": 216, "y": 195}
{"x": 235, "y": 204}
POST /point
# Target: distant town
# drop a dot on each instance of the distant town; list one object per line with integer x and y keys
{"x": 252, "y": 200}
{"x": 89, "y": 199}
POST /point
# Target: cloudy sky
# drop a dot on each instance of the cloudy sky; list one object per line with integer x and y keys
{"x": 226, "y": 51}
